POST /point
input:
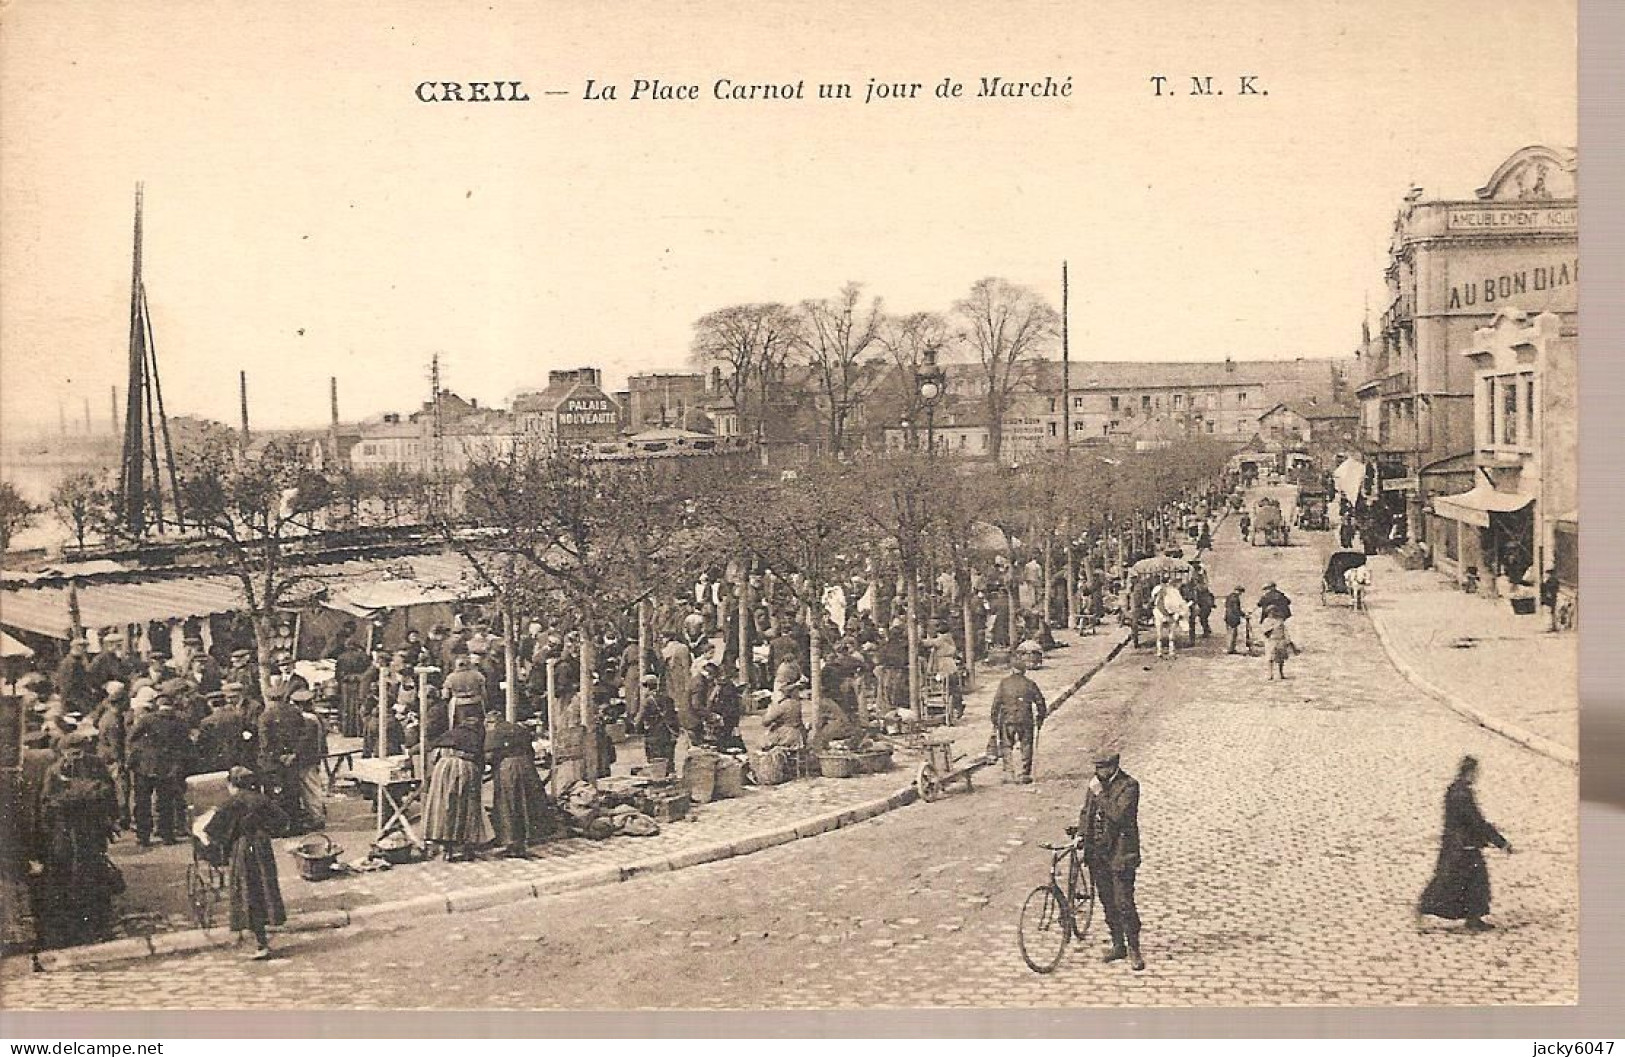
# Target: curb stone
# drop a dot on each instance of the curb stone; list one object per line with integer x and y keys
{"x": 1511, "y": 731}
{"x": 489, "y": 896}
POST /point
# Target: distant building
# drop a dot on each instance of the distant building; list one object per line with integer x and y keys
{"x": 572, "y": 410}
{"x": 1454, "y": 264}
{"x": 406, "y": 443}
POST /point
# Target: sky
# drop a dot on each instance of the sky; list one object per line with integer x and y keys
{"x": 308, "y": 217}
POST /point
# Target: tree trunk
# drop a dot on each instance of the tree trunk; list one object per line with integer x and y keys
{"x": 1012, "y": 589}
{"x": 911, "y": 603}
{"x": 1071, "y": 579}
{"x": 744, "y": 625}
{"x": 814, "y": 662}
{"x": 264, "y": 632}
{"x": 1049, "y": 578}
{"x": 643, "y": 659}
{"x": 970, "y": 638}
{"x": 586, "y": 710}
{"x": 554, "y": 721}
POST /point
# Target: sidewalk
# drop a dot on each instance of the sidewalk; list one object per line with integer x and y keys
{"x": 1504, "y": 671}
{"x": 155, "y": 911}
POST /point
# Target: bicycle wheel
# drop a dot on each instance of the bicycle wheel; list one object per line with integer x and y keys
{"x": 1044, "y": 929}
{"x": 1083, "y": 902}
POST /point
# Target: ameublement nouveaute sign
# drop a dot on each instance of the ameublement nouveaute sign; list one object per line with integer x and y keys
{"x": 1513, "y": 218}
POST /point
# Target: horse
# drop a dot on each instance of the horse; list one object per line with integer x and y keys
{"x": 1358, "y": 580}
{"x": 1169, "y": 609}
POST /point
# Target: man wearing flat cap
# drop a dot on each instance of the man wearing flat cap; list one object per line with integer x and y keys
{"x": 1109, "y": 826}
{"x": 159, "y": 750}
{"x": 281, "y": 739}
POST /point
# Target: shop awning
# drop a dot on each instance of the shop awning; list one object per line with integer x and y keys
{"x": 1475, "y": 506}
{"x": 1348, "y": 477}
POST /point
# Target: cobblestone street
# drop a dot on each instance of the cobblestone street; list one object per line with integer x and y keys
{"x": 1287, "y": 831}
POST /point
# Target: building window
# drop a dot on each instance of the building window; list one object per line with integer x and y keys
{"x": 1509, "y": 412}
{"x": 1210, "y": 427}
{"x": 1179, "y": 400}
{"x": 1145, "y": 404}
{"x": 1077, "y": 403}
{"x": 1241, "y": 399}
{"x": 1078, "y": 427}
{"x": 1052, "y": 405}
{"x": 984, "y": 442}
{"x": 1052, "y": 429}
{"x": 1115, "y": 402}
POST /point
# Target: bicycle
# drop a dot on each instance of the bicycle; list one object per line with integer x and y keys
{"x": 1054, "y": 914}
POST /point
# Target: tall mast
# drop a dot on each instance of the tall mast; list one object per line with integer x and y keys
{"x": 437, "y": 452}
{"x": 132, "y": 486}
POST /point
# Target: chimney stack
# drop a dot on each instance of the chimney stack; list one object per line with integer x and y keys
{"x": 115, "y": 410}
{"x": 242, "y": 389}
{"x": 333, "y": 401}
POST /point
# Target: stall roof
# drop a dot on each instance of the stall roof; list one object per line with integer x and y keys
{"x": 358, "y": 587}
{"x": 10, "y": 647}
{"x": 44, "y": 608}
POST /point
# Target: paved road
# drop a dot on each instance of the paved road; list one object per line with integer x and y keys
{"x": 1288, "y": 828}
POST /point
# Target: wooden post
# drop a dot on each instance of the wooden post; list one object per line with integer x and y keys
{"x": 383, "y": 743}
{"x": 744, "y": 626}
{"x": 510, "y": 664}
{"x": 423, "y": 672}
{"x": 1071, "y": 578}
{"x": 643, "y": 657}
{"x": 814, "y": 659}
{"x": 1049, "y": 576}
{"x": 970, "y": 639}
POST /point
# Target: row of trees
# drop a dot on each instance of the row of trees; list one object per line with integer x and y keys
{"x": 998, "y": 325}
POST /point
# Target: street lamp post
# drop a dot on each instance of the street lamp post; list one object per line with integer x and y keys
{"x": 929, "y": 385}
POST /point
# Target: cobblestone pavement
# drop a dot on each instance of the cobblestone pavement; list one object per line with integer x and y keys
{"x": 1287, "y": 829}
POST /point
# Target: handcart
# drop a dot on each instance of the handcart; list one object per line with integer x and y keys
{"x": 942, "y": 767}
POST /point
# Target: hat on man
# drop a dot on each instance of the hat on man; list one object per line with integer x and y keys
{"x": 300, "y": 697}
{"x": 1106, "y": 758}
{"x": 241, "y": 655}
{"x": 144, "y": 697}
{"x": 1240, "y": 589}
{"x": 215, "y": 695}
{"x": 651, "y": 680}
{"x": 112, "y": 687}
{"x": 232, "y": 686}
{"x": 239, "y": 776}
{"x": 1270, "y": 586}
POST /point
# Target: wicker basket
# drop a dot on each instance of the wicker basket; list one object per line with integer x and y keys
{"x": 773, "y": 767}
{"x": 838, "y": 764}
{"x": 316, "y": 857}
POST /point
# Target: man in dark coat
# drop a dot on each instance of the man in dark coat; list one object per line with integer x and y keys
{"x": 74, "y": 681}
{"x": 350, "y": 667}
{"x": 1460, "y": 888}
{"x": 159, "y": 749}
{"x": 113, "y": 663}
{"x": 221, "y": 735}
{"x": 112, "y": 722}
{"x": 281, "y": 739}
{"x": 80, "y": 813}
{"x": 1109, "y": 826}
{"x": 1018, "y": 713}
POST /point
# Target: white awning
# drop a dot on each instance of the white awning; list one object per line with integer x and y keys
{"x": 1475, "y": 506}
{"x": 1348, "y": 477}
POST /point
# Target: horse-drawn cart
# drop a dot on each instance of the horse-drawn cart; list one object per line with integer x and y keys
{"x": 1269, "y": 527}
{"x": 1345, "y": 575}
{"x": 1313, "y": 511}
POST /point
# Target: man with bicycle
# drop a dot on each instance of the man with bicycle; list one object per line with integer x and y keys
{"x": 1109, "y": 828}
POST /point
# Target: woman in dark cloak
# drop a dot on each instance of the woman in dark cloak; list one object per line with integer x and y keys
{"x": 521, "y": 813}
{"x": 80, "y": 813}
{"x": 1460, "y": 888}
{"x": 453, "y": 817}
{"x": 242, "y": 828}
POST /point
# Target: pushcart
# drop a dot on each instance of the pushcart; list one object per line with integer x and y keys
{"x": 942, "y": 768}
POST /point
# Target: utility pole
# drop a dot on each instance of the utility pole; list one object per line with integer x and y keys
{"x": 437, "y": 453}
{"x": 114, "y": 410}
{"x": 1066, "y": 373}
{"x": 87, "y": 416}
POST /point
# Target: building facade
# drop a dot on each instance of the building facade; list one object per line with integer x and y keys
{"x": 573, "y": 410}
{"x": 1454, "y": 264}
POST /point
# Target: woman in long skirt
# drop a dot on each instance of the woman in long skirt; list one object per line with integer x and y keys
{"x": 452, "y": 815}
{"x": 521, "y": 813}
{"x": 242, "y": 826}
{"x": 1460, "y": 888}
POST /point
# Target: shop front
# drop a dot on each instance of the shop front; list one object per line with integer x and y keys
{"x": 1486, "y": 536}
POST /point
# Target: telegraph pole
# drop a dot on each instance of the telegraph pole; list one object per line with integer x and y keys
{"x": 437, "y": 453}
{"x": 242, "y": 390}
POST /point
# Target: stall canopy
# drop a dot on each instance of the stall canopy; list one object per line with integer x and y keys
{"x": 10, "y": 647}
{"x": 43, "y": 608}
{"x": 360, "y": 588}
{"x": 1475, "y": 506}
{"x": 1348, "y": 477}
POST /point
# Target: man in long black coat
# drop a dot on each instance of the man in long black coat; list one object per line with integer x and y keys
{"x": 159, "y": 751}
{"x": 1109, "y": 825}
{"x": 1460, "y": 888}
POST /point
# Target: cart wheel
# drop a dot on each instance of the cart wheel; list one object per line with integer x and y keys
{"x": 199, "y": 896}
{"x": 926, "y": 784}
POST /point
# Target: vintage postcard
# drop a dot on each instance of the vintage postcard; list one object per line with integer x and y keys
{"x": 700, "y": 506}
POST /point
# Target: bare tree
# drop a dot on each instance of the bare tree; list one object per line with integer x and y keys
{"x": 84, "y": 502}
{"x": 16, "y": 513}
{"x": 749, "y": 343}
{"x": 255, "y": 511}
{"x": 835, "y": 332}
{"x": 908, "y": 340}
{"x": 1008, "y": 324}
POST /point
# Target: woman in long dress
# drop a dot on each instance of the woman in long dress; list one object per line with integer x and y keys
{"x": 242, "y": 826}
{"x": 1460, "y": 888}
{"x": 452, "y": 815}
{"x": 521, "y": 813}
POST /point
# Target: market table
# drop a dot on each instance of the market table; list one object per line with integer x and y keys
{"x": 395, "y": 790}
